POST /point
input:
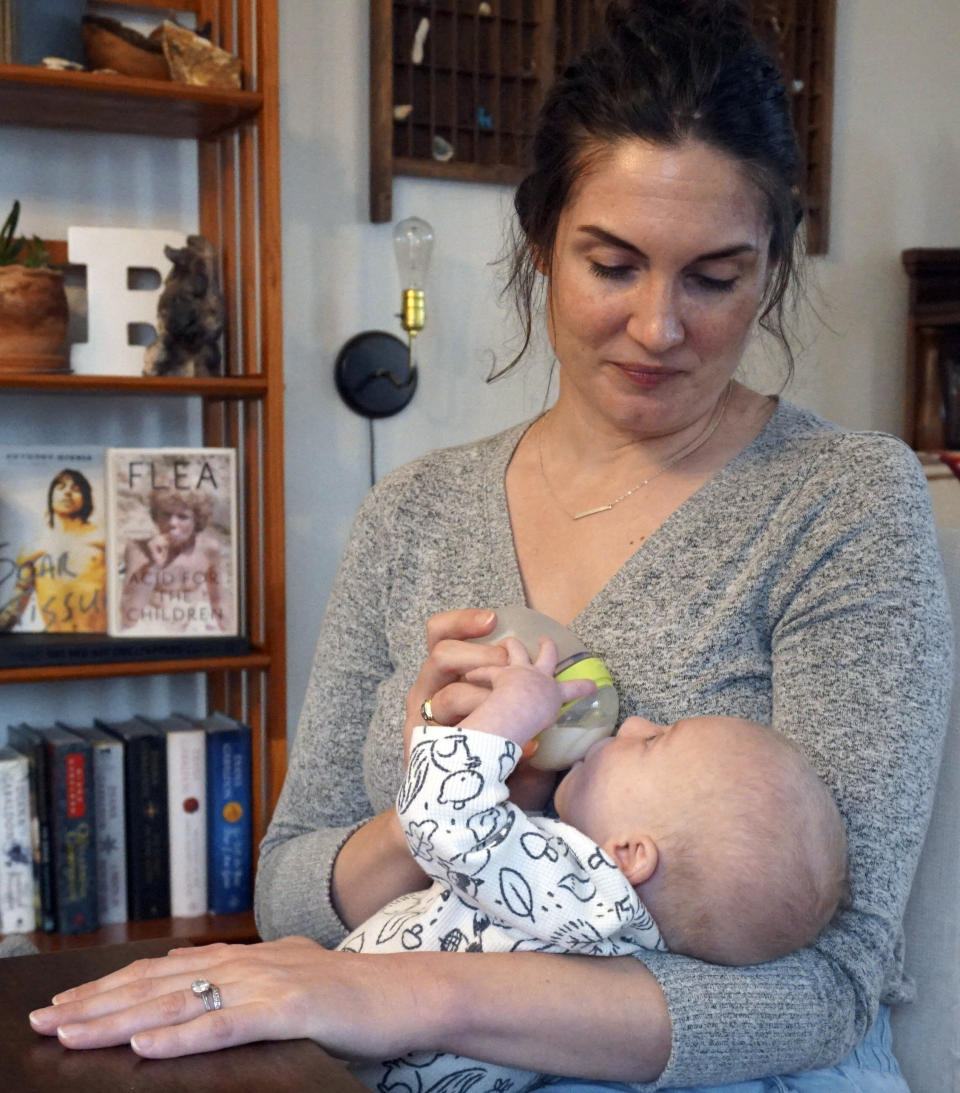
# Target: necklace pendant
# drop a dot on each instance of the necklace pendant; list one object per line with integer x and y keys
{"x": 592, "y": 512}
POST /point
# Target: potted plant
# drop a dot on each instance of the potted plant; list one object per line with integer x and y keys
{"x": 33, "y": 304}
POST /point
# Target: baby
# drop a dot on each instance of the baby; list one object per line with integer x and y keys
{"x": 711, "y": 837}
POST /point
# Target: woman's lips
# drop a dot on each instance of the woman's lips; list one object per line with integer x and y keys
{"x": 644, "y": 376}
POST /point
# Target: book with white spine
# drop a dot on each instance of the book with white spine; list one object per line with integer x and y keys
{"x": 17, "y": 908}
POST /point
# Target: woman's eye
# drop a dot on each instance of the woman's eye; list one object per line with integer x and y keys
{"x": 714, "y": 284}
{"x": 611, "y": 273}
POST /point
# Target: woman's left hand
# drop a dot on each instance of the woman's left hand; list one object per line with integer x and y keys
{"x": 278, "y": 990}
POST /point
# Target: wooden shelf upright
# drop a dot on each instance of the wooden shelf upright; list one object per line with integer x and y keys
{"x": 237, "y": 135}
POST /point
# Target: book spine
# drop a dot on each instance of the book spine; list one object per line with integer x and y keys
{"x": 148, "y": 854}
{"x": 16, "y": 856}
{"x": 187, "y": 813}
{"x": 74, "y": 836}
{"x": 42, "y": 836}
{"x": 111, "y": 832}
{"x": 230, "y": 828}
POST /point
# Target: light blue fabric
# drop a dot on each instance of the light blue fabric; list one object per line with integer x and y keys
{"x": 871, "y": 1068}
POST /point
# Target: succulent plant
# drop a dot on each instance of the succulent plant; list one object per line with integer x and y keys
{"x": 18, "y": 249}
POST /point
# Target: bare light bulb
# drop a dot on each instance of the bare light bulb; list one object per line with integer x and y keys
{"x": 413, "y": 245}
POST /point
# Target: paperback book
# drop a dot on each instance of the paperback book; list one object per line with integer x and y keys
{"x": 111, "y": 823}
{"x": 230, "y": 804}
{"x": 186, "y": 814}
{"x": 16, "y": 854}
{"x": 172, "y": 546}
{"x": 29, "y": 742}
{"x": 73, "y": 829}
{"x": 145, "y": 812}
{"x": 52, "y": 540}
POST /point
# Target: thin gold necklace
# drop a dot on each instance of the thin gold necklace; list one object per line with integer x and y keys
{"x": 699, "y": 442}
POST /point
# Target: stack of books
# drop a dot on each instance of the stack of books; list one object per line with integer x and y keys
{"x": 117, "y": 821}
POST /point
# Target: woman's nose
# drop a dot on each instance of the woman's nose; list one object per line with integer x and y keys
{"x": 655, "y": 322}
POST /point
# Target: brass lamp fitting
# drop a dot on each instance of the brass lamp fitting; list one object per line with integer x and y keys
{"x": 413, "y": 311}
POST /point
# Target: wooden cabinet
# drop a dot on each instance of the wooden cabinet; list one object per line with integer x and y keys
{"x": 239, "y": 211}
{"x": 455, "y": 86}
{"x": 933, "y": 348}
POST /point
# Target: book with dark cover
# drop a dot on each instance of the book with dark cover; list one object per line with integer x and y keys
{"x": 230, "y": 805}
{"x": 172, "y": 543}
{"x": 28, "y": 742}
{"x": 145, "y": 809}
{"x": 17, "y": 915}
{"x": 108, "y": 783}
{"x": 73, "y": 829}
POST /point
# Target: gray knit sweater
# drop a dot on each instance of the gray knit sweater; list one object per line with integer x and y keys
{"x": 800, "y": 587}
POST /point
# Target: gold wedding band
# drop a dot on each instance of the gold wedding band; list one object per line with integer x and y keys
{"x": 426, "y": 713}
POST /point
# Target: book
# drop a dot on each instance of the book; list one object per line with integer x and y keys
{"x": 17, "y": 913}
{"x": 230, "y": 821}
{"x": 52, "y": 540}
{"x": 172, "y": 544}
{"x": 69, "y": 762}
{"x": 111, "y": 822}
{"x": 29, "y": 743}
{"x": 145, "y": 812}
{"x": 186, "y": 814}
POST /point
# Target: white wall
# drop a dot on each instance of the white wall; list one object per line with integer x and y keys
{"x": 896, "y": 165}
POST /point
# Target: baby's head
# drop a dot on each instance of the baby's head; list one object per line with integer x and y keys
{"x": 723, "y": 827}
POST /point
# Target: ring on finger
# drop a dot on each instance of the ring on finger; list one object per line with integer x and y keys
{"x": 426, "y": 712}
{"x": 207, "y": 993}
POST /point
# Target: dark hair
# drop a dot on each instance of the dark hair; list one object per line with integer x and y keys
{"x": 664, "y": 71}
{"x": 164, "y": 502}
{"x": 82, "y": 485}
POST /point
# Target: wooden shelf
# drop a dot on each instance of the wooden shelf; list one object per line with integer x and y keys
{"x": 48, "y": 99}
{"x": 225, "y": 387}
{"x": 201, "y": 930}
{"x": 53, "y": 673}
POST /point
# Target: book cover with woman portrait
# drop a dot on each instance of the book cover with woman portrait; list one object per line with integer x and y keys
{"x": 52, "y": 539}
{"x": 172, "y": 546}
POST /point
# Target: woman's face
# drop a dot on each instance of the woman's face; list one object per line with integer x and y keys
{"x": 66, "y": 498}
{"x": 658, "y": 270}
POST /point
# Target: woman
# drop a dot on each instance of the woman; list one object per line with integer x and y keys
{"x": 65, "y": 568}
{"x": 723, "y": 551}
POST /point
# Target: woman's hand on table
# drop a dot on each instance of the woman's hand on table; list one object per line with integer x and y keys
{"x": 279, "y": 990}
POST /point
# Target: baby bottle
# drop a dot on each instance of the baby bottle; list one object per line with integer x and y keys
{"x": 581, "y": 721}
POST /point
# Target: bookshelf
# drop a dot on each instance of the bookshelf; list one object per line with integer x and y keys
{"x": 237, "y": 135}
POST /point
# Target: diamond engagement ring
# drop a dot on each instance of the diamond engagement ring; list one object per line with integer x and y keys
{"x": 209, "y": 994}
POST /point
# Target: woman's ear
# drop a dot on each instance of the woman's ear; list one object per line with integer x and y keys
{"x": 636, "y": 856}
{"x": 538, "y": 259}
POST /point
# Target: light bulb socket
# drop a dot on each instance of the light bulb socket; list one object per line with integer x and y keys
{"x": 413, "y": 311}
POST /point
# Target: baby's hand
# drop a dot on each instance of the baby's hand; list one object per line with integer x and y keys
{"x": 524, "y": 698}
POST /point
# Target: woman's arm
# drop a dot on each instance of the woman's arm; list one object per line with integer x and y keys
{"x": 605, "y": 1016}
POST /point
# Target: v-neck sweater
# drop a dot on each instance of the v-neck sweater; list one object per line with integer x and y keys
{"x": 801, "y": 587}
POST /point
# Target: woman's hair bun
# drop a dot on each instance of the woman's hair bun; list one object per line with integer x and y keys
{"x": 648, "y": 21}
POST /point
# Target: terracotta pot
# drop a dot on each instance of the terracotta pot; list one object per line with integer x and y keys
{"x": 33, "y": 320}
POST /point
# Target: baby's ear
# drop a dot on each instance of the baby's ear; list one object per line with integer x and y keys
{"x": 636, "y": 856}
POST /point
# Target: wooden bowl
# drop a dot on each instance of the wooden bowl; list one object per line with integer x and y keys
{"x": 109, "y": 44}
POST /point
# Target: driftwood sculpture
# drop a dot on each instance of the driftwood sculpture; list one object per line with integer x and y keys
{"x": 189, "y": 315}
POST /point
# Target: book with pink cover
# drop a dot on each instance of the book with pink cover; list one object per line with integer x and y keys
{"x": 172, "y": 546}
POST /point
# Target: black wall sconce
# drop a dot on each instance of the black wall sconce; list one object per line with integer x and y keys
{"x": 375, "y": 372}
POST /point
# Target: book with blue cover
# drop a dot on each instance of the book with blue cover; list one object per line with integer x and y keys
{"x": 69, "y": 761}
{"x": 230, "y": 819}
